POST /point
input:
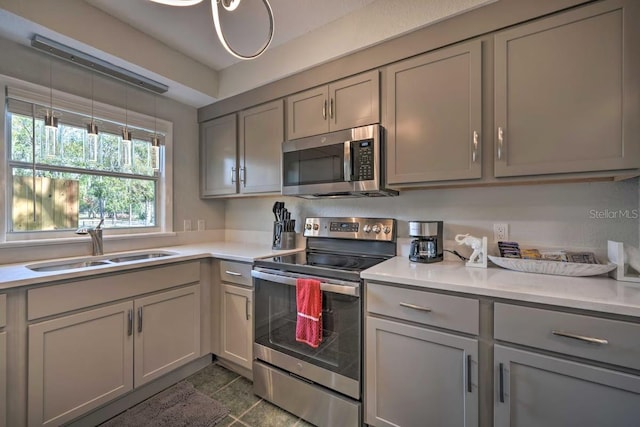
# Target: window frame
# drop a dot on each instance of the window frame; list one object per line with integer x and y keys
{"x": 32, "y": 93}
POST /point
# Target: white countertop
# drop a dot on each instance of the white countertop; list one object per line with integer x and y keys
{"x": 16, "y": 275}
{"x": 597, "y": 293}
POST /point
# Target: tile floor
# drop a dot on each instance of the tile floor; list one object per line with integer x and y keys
{"x": 236, "y": 393}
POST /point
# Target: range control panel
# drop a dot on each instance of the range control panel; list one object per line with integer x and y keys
{"x": 351, "y": 228}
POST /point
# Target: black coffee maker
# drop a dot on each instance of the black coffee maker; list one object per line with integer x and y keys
{"x": 427, "y": 245}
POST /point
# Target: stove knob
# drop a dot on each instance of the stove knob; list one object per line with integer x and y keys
{"x": 316, "y": 226}
{"x": 366, "y": 228}
{"x": 376, "y": 228}
{"x": 386, "y": 229}
{"x": 307, "y": 226}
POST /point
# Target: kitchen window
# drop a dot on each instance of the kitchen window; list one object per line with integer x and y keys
{"x": 56, "y": 185}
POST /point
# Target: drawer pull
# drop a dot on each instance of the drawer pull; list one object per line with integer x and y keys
{"x": 501, "y": 372}
{"x": 589, "y": 340}
{"x": 415, "y": 307}
{"x": 232, "y": 273}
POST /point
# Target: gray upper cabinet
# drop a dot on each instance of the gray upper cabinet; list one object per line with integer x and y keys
{"x": 566, "y": 92}
{"x": 261, "y": 135}
{"x": 218, "y": 157}
{"x": 434, "y": 116}
{"x": 351, "y": 102}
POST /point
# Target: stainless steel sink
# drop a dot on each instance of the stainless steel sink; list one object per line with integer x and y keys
{"x": 136, "y": 257}
{"x": 84, "y": 263}
{"x": 66, "y": 265}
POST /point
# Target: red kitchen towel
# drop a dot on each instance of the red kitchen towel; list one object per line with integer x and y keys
{"x": 309, "y": 307}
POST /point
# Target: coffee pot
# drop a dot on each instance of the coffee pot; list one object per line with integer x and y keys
{"x": 427, "y": 245}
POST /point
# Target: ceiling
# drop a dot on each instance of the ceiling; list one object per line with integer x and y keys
{"x": 178, "y": 46}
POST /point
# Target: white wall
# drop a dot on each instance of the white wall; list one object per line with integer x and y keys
{"x": 30, "y": 65}
{"x": 554, "y": 215}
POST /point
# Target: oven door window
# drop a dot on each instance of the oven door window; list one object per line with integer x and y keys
{"x": 275, "y": 327}
{"x": 316, "y": 165}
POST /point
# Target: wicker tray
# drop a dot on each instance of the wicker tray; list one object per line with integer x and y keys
{"x": 552, "y": 267}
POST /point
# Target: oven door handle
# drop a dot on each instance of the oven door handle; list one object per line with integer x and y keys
{"x": 324, "y": 286}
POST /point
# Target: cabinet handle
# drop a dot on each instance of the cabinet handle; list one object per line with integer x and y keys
{"x": 243, "y": 176}
{"x": 324, "y": 109}
{"x": 232, "y": 273}
{"x": 474, "y": 156}
{"x": 233, "y": 175}
{"x": 501, "y": 372}
{"x": 500, "y": 142}
{"x": 590, "y": 340}
{"x": 130, "y": 322}
{"x": 415, "y": 307}
{"x": 331, "y": 108}
{"x": 469, "y": 373}
{"x": 246, "y": 308}
{"x": 139, "y": 319}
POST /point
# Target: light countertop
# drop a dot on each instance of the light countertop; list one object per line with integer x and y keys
{"x": 16, "y": 275}
{"x": 597, "y": 293}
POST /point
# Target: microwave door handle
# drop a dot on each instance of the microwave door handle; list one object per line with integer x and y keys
{"x": 291, "y": 281}
{"x": 347, "y": 161}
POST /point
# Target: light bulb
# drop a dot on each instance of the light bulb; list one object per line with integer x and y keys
{"x": 92, "y": 142}
{"x": 50, "y": 135}
{"x": 126, "y": 147}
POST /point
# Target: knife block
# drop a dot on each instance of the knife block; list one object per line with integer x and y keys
{"x": 282, "y": 239}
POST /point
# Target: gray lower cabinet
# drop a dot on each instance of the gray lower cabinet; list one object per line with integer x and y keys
{"x": 346, "y": 103}
{"x": 3, "y": 379}
{"x": 237, "y": 324}
{"x": 218, "y": 157}
{"x": 566, "y": 92}
{"x": 81, "y": 361}
{"x": 417, "y": 377}
{"x": 533, "y": 390}
{"x": 434, "y": 116}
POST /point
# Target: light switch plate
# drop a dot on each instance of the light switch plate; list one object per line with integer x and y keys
{"x": 201, "y": 225}
{"x": 187, "y": 225}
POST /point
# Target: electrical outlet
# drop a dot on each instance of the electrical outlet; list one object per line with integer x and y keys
{"x": 500, "y": 232}
{"x": 201, "y": 225}
{"x": 187, "y": 225}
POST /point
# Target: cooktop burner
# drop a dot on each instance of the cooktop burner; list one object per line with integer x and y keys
{"x": 339, "y": 247}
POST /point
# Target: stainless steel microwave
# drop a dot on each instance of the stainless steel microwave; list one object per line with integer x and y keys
{"x": 346, "y": 163}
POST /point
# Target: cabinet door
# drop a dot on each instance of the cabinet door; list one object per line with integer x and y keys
{"x": 307, "y": 113}
{"x": 417, "y": 377}
{"x": 434, "y": 107}
{"x": 167, "y": 332}
{"x": 261, "y": 137}
{"x": 3, "y": 379}
{"x": 539, "y": 390}
{"x": 79, "y": 362}
{"x": 218, "y": 157}
{"x": 354, "y": 101}
{"x": 237, "y": 326}
{"x": 566, "y": 92}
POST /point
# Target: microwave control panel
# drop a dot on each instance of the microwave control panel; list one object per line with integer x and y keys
{"x": 363, "y": 160}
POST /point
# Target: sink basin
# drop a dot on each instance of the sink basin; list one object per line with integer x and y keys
{"x": 84, "y": 263}
{"x": 136, "y": 257}
{"x": 66, "y": 265}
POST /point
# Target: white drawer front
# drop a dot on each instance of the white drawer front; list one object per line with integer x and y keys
{"x": 604, "y": 340}
{"x": 235, "y": 272}
{"x": 444, "y": 311}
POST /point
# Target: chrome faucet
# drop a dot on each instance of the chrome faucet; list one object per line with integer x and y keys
{"x": 96, "y": 236}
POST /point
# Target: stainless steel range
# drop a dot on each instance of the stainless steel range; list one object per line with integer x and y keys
{"x": 323, "y": 384}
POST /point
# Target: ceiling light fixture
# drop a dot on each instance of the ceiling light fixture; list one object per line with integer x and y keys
{"x": 229, "y": 6}
{"x": 50, "y": 122}
{"x": 155, "y": 140}
{"x": 92, "y": 133}
{"x": 126, "y": 136}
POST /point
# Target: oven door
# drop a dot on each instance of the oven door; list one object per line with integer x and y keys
{"x": 336, "y": 363}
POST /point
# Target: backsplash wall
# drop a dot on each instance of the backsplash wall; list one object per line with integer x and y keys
{"x": 579, "y": 215}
